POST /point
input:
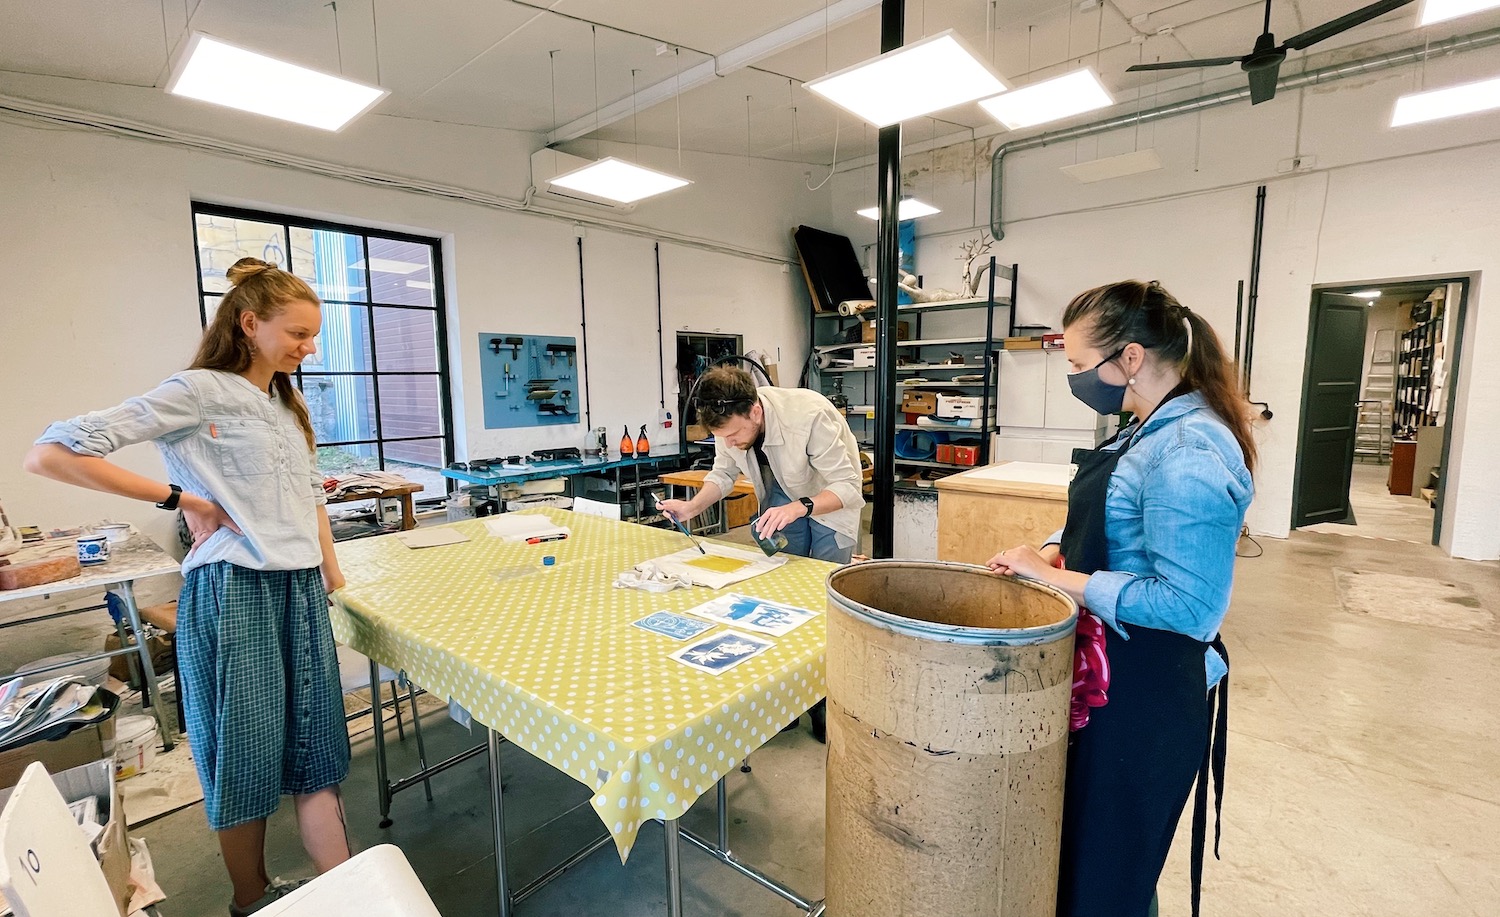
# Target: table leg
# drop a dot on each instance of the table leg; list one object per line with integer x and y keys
{"x": 408, "y": 513}
{"x": 502, "y": 881}
{"x": 382, "y": 775}
{"x": 670, "y": 840}
{"x": 126, "y": 592}
{"x": 723, "y": 795}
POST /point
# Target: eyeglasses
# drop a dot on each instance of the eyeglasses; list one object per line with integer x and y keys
{"x": 727, "y": 405}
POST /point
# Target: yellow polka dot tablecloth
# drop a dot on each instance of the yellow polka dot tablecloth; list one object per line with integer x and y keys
{"x": 547, "y": 656}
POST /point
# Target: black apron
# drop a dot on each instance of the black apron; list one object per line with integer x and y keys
{"x": 1131, "y": 768}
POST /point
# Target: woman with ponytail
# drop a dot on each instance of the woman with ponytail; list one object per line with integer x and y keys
{"x": 258, "y": 679}
{"x": 1154, "y": 516}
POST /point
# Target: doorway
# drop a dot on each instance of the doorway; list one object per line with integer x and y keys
{"x": 1377, "y": 394}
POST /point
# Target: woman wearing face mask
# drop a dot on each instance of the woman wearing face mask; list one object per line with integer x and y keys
{"x": 1154, "y": 516}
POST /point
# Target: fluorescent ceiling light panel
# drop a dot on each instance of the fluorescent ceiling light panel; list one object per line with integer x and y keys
{"x": 617, "y": 180}
{"x": 215, "y": 71}
{"x": 909, "y": 209}
{"x": 389, "y": 266}
{"x": 420, "y": 284}
{"x": 1464, "y": 99}
{"x": 1367, "y": 294}
{"x": 917, "y": 79}
{"x": 1124, "y": 164}
{"x": 1050, "y": 100}
{"x": 1443, "y": 10}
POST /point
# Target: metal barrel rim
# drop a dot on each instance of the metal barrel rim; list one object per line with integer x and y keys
{"x": 950, "y": 633}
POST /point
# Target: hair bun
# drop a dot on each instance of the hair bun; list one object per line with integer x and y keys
{"x": 245, "y": 268}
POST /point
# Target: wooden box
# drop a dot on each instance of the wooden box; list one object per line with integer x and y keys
{"x": 988, "y": 509}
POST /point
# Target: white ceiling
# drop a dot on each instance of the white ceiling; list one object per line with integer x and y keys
{"x": 487, "y": 62}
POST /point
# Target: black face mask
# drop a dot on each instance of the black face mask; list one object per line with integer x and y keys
{"x": 1093, "y": 391}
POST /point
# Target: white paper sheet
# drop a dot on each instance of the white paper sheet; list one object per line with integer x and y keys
{"x": 521, "y": 526}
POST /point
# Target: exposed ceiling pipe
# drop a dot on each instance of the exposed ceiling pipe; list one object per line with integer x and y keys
{"x": 723, "y": 64}
{"x": 1328, "y": 74}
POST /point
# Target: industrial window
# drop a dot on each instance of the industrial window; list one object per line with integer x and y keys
{"x": 377, "y": 388}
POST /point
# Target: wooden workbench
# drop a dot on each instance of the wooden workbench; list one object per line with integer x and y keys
{"x": 738, "y": 505}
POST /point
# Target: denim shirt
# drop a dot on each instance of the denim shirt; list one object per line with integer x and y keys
{"x": 1173, "y": 513}
{"x": 224, "y": 440}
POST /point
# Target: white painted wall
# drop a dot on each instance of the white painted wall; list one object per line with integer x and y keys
{"x": 1189, "y": 225}
{"x": 98, "y": 285}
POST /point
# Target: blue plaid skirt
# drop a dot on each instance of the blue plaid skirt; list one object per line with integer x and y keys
{"x": 259, "y": 682}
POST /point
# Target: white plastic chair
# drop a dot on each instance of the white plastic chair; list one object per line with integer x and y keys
{"x": 378, "y": 882}
{"x": 46, "y": 866}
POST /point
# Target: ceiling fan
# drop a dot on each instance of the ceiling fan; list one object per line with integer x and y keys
{"x": 1263, "y": 63}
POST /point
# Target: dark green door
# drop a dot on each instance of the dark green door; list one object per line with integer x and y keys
{"x": 1325, "y": 445}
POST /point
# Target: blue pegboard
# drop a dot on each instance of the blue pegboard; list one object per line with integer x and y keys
{"x": 513, "y": 365}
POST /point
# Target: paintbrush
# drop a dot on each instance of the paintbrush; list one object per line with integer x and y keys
{"x": 682, "y": 528}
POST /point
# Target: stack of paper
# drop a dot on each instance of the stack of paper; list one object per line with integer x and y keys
{"x": 49, "y": 709}
{"x": 521, "y": 526}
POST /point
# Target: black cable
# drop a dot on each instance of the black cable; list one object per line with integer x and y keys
{"x": 583, "y": 340}
{"x": 661, "y": 357}
{"x": 1246, "y": 536}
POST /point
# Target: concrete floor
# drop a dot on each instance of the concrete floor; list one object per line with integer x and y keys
{"x": 1364, "y": 772}
{"x": 1378, "y": 513}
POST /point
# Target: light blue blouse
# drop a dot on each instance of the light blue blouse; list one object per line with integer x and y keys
{"x": 1174, "y": 509}
{"x": 227, "y": 441}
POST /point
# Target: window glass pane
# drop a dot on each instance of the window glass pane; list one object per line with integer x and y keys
{"x": 333, "y": 262}
{"x": 410, "y": 458}
{"x": 344, "y": 343}
{"x": 409, "y": 406}
{"x": 335, "y": 460}
{"x": 342, "y": 407}
{"x": 405, "y": 340}
{"x": 210, "y": 306}
{"x": 224, "y": 240}
{"x": 401, "y": 272}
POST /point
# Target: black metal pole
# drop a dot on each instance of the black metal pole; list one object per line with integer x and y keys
{"x": 888, "y": 199}
{"x": 1239, "y": 316}
{"x": 583, "y": 341}
{"x": 1253, "y": 296}
{"x": 661, "y": 358}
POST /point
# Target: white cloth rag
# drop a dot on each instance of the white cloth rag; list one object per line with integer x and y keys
{"x": 651, "y": 578}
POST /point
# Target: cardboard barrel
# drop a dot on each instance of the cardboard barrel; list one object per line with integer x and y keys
{"x": 948, "y": 694}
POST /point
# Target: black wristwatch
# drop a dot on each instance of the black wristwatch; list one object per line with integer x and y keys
{"x": 807, "y": 502}
{"x": 171, "y": 501}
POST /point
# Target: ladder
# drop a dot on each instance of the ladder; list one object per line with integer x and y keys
{"x": 1372, "y": 431}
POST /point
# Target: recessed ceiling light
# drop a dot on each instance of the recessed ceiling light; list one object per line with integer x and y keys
{"x": 1133, "y": 163}
{"x": 1367, "y": 294}
{"x": 215, "y": 71}
{"x": 914, "y": 80}
{"x": 617, "y": 180}
{"x": 1050, "y": 100}
{"x": 1443, "y": 10}
{"x": 909, "y": 209}
{"x": 1464, "y": 99}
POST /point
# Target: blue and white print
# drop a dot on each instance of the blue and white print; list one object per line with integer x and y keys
{"x": 669, "y": 625}
{"x": 721, "y": 652}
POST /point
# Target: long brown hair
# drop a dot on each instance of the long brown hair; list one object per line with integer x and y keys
{"x": 263, "y": 289}
{"x": 1145, "y": 313}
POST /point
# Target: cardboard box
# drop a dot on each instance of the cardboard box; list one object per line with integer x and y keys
{"x": 1023, "y": 343}
{"x": 959, "y": 406}
{"x": 944, "y": 453}
{"x": 112, "y": 848}
{"x": 1052, "y": 342}
{"x": 863, "y": 356}
{"x": 913, "y": 402}
{"x": 867, "y": 332}
{"x": 965, "y": 455}
{"x": 81, "y": 746}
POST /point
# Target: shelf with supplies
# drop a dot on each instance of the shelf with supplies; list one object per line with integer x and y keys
{"x": 973, "y": 330}
{"x": 1419, "y": 353}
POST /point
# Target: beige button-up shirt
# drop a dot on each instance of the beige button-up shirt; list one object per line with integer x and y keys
{"x": 810, "y": 449}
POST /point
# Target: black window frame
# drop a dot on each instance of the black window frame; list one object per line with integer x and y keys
{"x": 365, "y": 233}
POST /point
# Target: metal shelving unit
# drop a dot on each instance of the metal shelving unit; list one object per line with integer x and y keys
{"x": 855, "y": 382}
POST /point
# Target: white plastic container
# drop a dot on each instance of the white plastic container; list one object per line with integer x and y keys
{"x": 94, "y": 671}
{"x": 135, "y": 745}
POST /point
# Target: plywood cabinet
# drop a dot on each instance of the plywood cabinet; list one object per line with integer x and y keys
{"x": 999, "y": 506}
